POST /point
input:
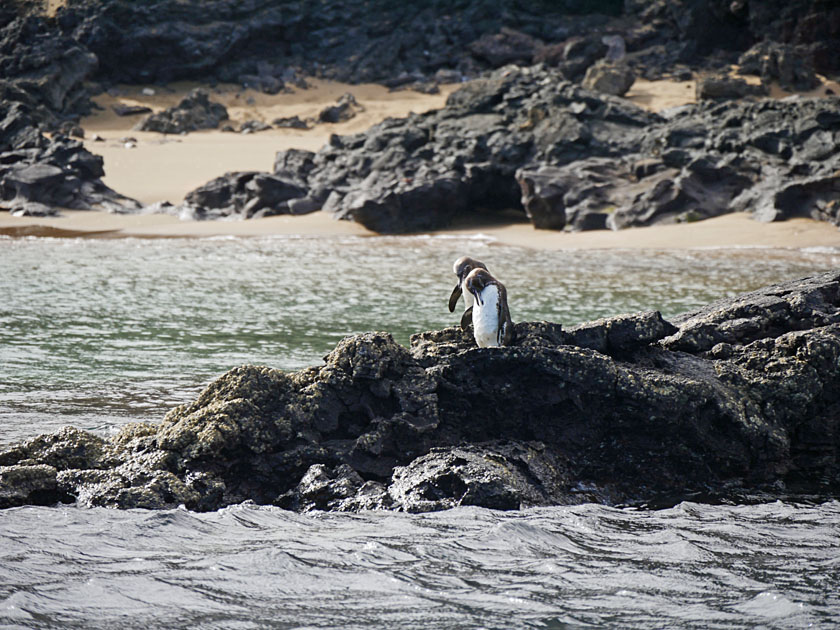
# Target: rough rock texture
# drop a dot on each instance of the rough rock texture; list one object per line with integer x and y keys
{"x": 773, "y": 61}
{"x": 247, "y": 195}
{"x": 738, "y": 399}
{"x": 397, "y": 179}
{"x": 726, "y": 87}
{"x": 260, "y": 41}
{"x": 44, "y": 70}
{"x": 609, "y": 77}
{"x": 420, "y": 172}
{"x": 525, "y": 137}
{"x": 40, "y": 175}
{"x": 345, "y": 109}
{"x": 196, "y": 111}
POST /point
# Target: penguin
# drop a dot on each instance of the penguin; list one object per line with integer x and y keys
{"x": 462, "y": 267}
{"x": 492, "y": 325}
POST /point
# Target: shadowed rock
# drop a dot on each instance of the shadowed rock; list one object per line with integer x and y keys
{"x": 247, "y": 194}
{"x": 724, "y": 87}
{"x": 196, "y": 111}
{"x": 345, "y": 109}
{"x": 738, "y": 399}
{"x": 40, "y": 175}
{"x": 773, "y": 61}
{"x": 609, "y": 77}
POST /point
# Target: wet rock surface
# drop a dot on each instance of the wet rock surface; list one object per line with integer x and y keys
{"x": 738, "y": 399}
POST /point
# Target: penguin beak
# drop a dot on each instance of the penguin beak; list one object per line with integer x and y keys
{"x": 453, "y": 299}
{"x": 477, "y": 296}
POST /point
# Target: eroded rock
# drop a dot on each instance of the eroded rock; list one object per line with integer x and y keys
{"x": 738, "y": 398}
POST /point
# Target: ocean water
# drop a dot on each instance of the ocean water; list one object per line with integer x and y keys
{"x": 97, "y": 333}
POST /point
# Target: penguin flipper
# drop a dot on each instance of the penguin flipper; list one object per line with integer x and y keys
{"x": 466, "y": 318}
{"x": 454, "y": 297}
{"x": 506, "y": 332}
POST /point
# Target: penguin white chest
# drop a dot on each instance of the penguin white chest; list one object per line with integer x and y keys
{"x": 486, "y": 318}
{"x": 469, "y": 300}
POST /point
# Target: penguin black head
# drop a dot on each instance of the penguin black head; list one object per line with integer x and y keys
{"x": 476, "y": 281}
{"x": 462, "y": 268}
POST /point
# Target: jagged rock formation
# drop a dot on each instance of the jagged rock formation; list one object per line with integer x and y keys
{"x": 40, "y": 175}
{"x": 739, "y": 399}
{"x": 526, "y": 138}
{"x": 390, "y": 178}
{"x": 195, "y": 111}
{"x": 420, "y": 172}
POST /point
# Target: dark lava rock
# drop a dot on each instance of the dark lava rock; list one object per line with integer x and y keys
{"x": 196, "y": 111}
{"x": 498, "y": 475}
{"x": 505, "y": 47}
{"x": 542, "y": 197}
{"x": 526, "y": 138}
{"x": 253, "y": 126}
{"x": 245, "y": 194}
{"x": 609, "y": 77}
{"x": 40, "y": 175}
{"x": 27, "y": 485}
{"x": 723, "y": 87}
{"x": 130, "y": 110}
{"x": 346, "y": 108}
{"x": 293, "y": 122}
{"x": 773, "y": 61}
{"x": 738, "y": 398}
{"x": 255, "y": 43}
{"x": 44, "y": 70}
{"x": 420, "y": 172}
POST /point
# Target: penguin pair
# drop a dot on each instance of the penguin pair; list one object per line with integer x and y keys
{"x": 485, "y": 303}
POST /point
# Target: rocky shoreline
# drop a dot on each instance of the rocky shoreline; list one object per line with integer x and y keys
{"x": 522, "y": 134}
{"x": 736, "y": 401}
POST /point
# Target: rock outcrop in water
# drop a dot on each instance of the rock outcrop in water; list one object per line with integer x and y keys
{"x": 738, "y": 399}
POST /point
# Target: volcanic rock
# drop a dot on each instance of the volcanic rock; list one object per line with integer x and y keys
{"x": 40, "y": 175}
{"x": 346, "y": 108}
{"x": 130, "y": 110}
{"x": 609, "y": 77}
{"x": 736, "y": 399}
{"x": 724, "y": 87}
{"x": 505, "y": 47}
{"x": 293, "y": 122}
{"x": 245, "y": 194}
{"x": 773, "y": 61}
{"x": 196, "y": 111}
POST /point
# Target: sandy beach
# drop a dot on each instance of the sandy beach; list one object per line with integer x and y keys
{"x": 154, "y": 167}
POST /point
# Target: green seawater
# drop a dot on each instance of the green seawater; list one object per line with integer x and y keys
{"x": 97, "y": 333}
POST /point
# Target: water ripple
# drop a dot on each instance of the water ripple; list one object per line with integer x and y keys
{"x": 582, "y": 566}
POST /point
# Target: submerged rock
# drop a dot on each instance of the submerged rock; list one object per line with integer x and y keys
{"x": 738, "y": 398}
